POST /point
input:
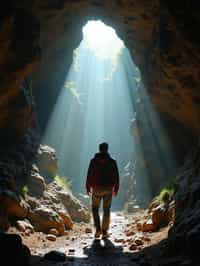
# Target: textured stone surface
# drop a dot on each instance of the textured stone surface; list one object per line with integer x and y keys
{"x": 47, "y": 161}
{"x": 163, "y": 39}
{"x": 184, "y": 235}
{"x": 165, "y": 51}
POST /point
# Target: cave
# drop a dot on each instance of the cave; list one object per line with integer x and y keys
{"x": 59, "y": 100}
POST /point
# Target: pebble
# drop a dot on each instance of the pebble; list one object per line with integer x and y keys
{"x": 53, "y": 231}
{"x": 138, "y": 242}
{"x": 88, "y": 230}
{"x": 119, "y": 240}
{"x": 66, "y": 233}
{"x": 133, "y": 247}
{"x": 130, "y": 233}
{"x": 51, "y": 237}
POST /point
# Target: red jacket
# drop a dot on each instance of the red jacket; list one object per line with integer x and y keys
{"x": 102, "y": 173}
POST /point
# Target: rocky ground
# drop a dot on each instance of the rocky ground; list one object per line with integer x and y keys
{"x": 48, "y": 224}
{"x": 127, "y": 245}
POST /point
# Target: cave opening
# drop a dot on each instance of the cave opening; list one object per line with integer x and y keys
{"x": 140, "y": 95}
{"x": 102, "y": 99}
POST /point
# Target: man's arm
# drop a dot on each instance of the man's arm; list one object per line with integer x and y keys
{"x": 116, "y": 180}
{"x": 89, "y": 178}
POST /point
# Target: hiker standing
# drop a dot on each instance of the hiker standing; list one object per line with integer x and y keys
{"x": 103, "y": 183}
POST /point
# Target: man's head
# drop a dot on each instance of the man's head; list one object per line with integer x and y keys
{"x": 103, "y": 147}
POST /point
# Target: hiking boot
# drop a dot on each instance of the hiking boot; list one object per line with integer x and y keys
{"x": 105, "y": 235}
{"x": 97, "y": 234}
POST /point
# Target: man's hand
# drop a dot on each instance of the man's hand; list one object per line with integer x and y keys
{"x": 114, "y": 193}
{"x": 88, "y": 191}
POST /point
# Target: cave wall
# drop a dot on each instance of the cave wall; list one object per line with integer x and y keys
{"x": 38, "y": 37}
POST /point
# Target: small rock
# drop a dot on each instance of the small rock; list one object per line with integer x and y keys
{"x": 139, "y": 226}
{"x": 51, "y": 237}
{"x": 146, "y": 239}
{"x": 133, "y": 247}
{"x": 54, "y": 232}
{"x": 130, "y": 233}
{"x": 23, "y": 225}
{"x": 88, "y": 230}
{"x": 55, "y": 256}
{"x": 119, "y": 240}
{"x": 148, "y": 226}
{"x": 138, "y": 241}
{"x": 28, "y": 232}
{"x": 71, "y": 251}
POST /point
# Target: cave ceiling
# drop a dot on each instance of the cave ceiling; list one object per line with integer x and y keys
{"x": 38, "y": 37}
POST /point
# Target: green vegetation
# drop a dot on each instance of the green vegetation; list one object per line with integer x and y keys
{"x": 166, "y": 191}
{"x": 63, "y": 182}
{"x": 24, "y": 191}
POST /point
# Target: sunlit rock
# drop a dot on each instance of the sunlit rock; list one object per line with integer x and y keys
{"x": 36, "y": 183}
{"x": 51, "y": 237}
{"x": 76, "y": 210}
{"x": 53, "y": 231}
{"x": 24, "y": 225}
{"x": 44, "y": 218}
{"x": 47, "y": 161}
{"x": 148, "y": 226}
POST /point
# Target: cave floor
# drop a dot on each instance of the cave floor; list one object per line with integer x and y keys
{"x": 81, "y": 249}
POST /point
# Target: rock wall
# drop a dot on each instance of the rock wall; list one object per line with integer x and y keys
{"x": 43, "y": 202}
{"x": 185, "y": 234}
{"x": 163, "y": 39}
{"x": 158, "y": 35}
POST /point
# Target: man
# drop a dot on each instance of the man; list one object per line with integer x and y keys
{"x": 103, "y": 183}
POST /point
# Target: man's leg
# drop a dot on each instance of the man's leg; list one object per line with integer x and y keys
{"x": 107, "y": 200}
{"x": 96, "y": 199}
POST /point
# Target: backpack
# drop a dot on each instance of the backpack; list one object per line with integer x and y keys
{"x": 104, "y": 173}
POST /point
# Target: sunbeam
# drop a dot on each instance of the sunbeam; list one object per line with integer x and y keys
{"x": 103, "y": 99}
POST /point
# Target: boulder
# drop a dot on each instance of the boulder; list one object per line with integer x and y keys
{"x": 76, "y": 210}
{"x": 24, "y": 225}
{"x": 12, "y": 205}
{"x": 55, "y": 256}
{"x": 148, "y": 226}
{"x": 160, "y": 217}
{"x": 44, "y": 218}
{"x": 36, "y": 183}
{"x": 66, "y": 219}
{"x": 47, "y": 161}
{"x": 18, "y": 254}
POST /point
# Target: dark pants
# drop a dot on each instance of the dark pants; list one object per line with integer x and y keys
{"x": 98, "y": 195}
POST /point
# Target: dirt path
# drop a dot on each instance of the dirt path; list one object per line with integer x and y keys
{"x": 81, "y": 249}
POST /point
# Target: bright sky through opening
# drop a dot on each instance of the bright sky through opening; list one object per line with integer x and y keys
{"x": 102, "y": 39}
